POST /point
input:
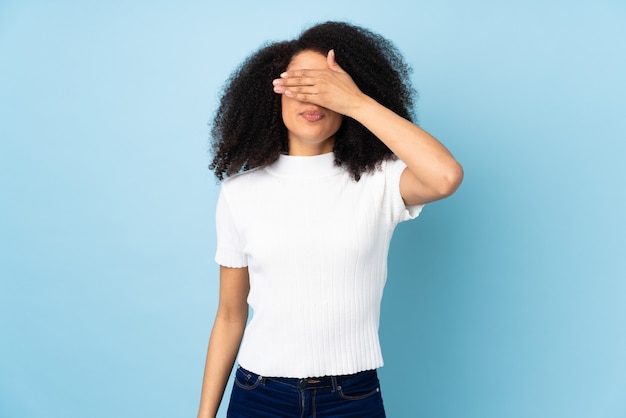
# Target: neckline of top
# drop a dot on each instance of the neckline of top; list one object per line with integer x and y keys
{"x": 314, "y": 166}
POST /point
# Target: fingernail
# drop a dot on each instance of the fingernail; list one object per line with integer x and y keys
{"x": 277, "y": 82}
{"x": 278, "y": 89}
{"x": 283, "y": 75}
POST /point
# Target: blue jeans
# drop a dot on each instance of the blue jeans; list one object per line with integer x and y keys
{"x": 356, "y": 396}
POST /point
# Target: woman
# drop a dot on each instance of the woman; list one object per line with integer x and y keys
{"x": 321, "y": 161}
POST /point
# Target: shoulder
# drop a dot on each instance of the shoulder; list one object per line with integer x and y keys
{"x": 244, "y": 179}
{"x": 389, "y": 168}
{"x": 392, "y": 164}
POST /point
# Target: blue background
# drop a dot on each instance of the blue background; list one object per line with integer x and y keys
{"x": 506, "y": 300}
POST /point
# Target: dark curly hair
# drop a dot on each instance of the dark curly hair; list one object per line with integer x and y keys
{"x": 248, "y": 129}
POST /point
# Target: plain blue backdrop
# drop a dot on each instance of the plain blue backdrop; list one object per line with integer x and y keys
{"x": 506, "y": 300}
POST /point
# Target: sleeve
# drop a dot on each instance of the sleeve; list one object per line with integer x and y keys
{"x": 229, "y": 252}
{"x": 399, "y": 211}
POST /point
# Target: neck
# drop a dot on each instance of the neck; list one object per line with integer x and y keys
{"x": 307, "y": 149}
{"x": 305, "y": 166}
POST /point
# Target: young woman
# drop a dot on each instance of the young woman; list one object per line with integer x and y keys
{"x": 320, "y": 162}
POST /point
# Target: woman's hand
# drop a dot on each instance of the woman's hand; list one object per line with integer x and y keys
{"x": 432, "y": 172}
{"x": 332, "y": 88}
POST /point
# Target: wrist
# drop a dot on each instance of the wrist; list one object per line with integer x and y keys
{"x": 361, "y": 107}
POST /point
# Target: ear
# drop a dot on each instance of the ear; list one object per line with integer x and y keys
{"x": 332, "y": 64}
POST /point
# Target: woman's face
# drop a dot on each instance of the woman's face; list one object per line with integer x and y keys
{"x": 311, "y": 129}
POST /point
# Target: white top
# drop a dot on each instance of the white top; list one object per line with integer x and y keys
{"x": 315, "y": 243}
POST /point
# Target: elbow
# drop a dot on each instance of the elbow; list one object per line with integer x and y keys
{"x": 234, "y": 315}
{"x": 451, "y": 180}
{"x": 440, "y": 184}
{"x": 232, "y": 320}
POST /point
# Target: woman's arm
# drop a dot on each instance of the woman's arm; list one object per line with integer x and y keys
{"x": 230, "y": 321}
{"x": 432, "y": 172}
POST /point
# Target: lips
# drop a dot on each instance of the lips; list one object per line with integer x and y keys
{"x": 312, "y": 115}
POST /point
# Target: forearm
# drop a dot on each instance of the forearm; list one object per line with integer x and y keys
{"x": 223, "y": 347}
{"x": 432, "y": 173}
{"x": 427, "y": 158}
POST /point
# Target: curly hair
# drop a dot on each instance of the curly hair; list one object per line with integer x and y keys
{"x": 248, "y": 130}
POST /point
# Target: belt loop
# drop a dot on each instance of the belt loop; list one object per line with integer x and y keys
{"x": 333, "y": 380}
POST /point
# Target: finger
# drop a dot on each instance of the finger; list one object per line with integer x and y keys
{"x": 332, "y": 64}
{"x": 301, "y": 96}
{"x": 295, "y": 81}
{"x": 295, "y": 73}
{"x": 303, "y": 73}
{"x": 281, "y": 86}
{"x": 299, "y": 92}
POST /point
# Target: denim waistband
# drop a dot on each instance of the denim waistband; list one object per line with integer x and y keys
{"x": 309, "y": 382}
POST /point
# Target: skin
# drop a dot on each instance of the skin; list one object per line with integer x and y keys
{"x": 316, "y": 94}
{"x": 432, "y": 173}
{"x": 311, "y": 128}
{"x": 230, "y": 321}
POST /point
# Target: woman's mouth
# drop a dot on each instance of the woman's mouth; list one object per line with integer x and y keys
{"x": 312, "y": 115}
